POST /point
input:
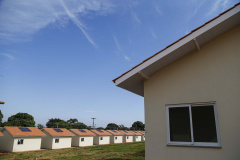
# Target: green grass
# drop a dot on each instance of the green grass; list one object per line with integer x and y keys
{"x": 124, "y": 151}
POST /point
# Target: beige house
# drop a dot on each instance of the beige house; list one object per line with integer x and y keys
{"x": 56, "y": 138}
{"x": 191, "y": 91}
{"x": 102, "y": 137}
{"x": 127, "y": 136}
{"x": 83, "y": 137}
{"x": 17, "y": 139}
{"x": 116, "y": 136}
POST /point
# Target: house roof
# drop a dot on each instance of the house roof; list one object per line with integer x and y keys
{"x": 16, "y": 132}
{"x": 101, "y": 132}
{"x": 64, "y": 133}
{"x": 128, "y": 133}
{"x": 83, "y": 132}
{"x": 133, "y": 79}
{"x": 115, "y": 132}
{"x": 1, "y": 134}
{"x": 137, "y": 133}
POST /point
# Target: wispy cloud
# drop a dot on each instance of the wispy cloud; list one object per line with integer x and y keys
{"x": 126, "y": 58}
{"x": 157, "y": 9}
{"x": 135, "y": 17}
{"x": 21, "y": 19}
{"x": 218, "y": 5}
{"x": 116, "y": 42}
{"x": 153, "y": 33}
{"x": 7, "y": 55}
{"x": 78, "y": 23}
{"x": 90, "y": 111}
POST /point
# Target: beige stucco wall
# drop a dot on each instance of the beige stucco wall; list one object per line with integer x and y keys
{"x": 47, "y": 141}
{"x": 118, "y": 140}
{"x": 130, "y": 138}
{"x": 97, "y": 141}
{"x": 6, "y": 142}
{"x": 75, "y": 140}
{"x": 212, "y": 74}
{"x": 29, "y": 144}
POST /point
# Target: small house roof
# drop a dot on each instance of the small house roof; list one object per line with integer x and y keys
{"x": 133, "y": 79}
{"x": 115, "y": 132}
{"x": 137, "y": 133}
{"x": 101, "y": 132}
{"x": 58, "y": 132}
{"x": 83, "y": 132}
{"x": 18, "y": 132}
{"x": 1, "y": 134}
{"x": 128, "y": 133}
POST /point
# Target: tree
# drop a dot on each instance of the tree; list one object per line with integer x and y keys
{"x": 138, "y": 125}
{"x": 100, "y": 128}
{"x": 79, "y": 125}
{"x": 112, "y": 126}
{"x": 56, "y": 123}
{"x": 122, "y": 127}
{"x": 40, "y": 126}
{"x": 74, "y": 124}
{"x": 72, "y": 120}
{"x": 20, "y": 119}
{"x": 1, "y": 117}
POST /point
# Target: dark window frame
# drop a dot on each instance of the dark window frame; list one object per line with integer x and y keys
{"x": 192, "y": 142}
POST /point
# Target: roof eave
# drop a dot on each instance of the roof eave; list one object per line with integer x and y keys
{"x": 133, "y": 80}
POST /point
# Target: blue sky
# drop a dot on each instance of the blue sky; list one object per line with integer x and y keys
{"x": 58, "y": 58}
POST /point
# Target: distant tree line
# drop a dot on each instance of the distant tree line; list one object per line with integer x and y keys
{"x": 27, "y": 120}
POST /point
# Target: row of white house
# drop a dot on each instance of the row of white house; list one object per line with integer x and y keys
{"x": 17, "y": 139}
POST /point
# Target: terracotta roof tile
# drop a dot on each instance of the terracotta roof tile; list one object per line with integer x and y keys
{"x": 1, "y": 134}
{"x": 137, "y": 133}
{"x": 101, "y": 132}
{"x": 128, "y": 133}
{"x": 64, "y": 132}
{"x": 177, "y": 40}
{"x": 86, "y": 133}
{"x": 115, "y": 132}
{"x": 16, "y": 132}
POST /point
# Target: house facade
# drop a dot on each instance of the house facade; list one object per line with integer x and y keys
{"x": 127, "y": 136}
{"x": 137, "y": 136}
{"x": 17, "y": 139}
{"x": 83, "y": 137}
{"x": 102, "y": 137}
{"x": 116, "y": 137}
{"x": 191, "y": 90}
{"x": 56, "y": 138}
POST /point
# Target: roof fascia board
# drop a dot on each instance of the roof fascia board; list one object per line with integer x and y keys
{"x": 179, "y": 44}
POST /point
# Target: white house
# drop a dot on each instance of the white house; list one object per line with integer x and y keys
{"x": 191, "y": 93}
{"x": 137, "y": 136}
{"x": 127, "y": 136}
{"x": 16, "y": 139}
{"x": 56, "y": 138}
{"x": 143, "y": 135}
{"x": 83, "y": 137}
{"x": 116, "y": 137}
{"x": 102, "y": 137}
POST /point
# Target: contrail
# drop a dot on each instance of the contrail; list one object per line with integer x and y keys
{"x": 78, "y": 23}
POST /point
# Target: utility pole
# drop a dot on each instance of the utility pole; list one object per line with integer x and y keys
{"x": 93, "y": 122}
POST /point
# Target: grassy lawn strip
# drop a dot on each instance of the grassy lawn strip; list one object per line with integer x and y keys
{"x": 127, "y": 151}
